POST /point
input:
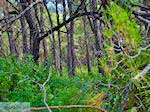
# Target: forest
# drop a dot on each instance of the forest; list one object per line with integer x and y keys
{"x": 75, "y": 55}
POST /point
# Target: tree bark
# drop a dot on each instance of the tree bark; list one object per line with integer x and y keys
{"x": 9, "y": 30}
{"x": 71, "y": 52}
{"x": 87, "y": 46}
{"x": 67, "y": 26}
{"x": 59, "y": 40}
{"x": 34, "y": 31}
{"x": 1, "y": 44}
{"x": 44, "y": 43}
{"x": 40, "y": 21}
{"x": 24, "y": 33}
{"x": 53, "y": 38}
{"x": 98, "y": 37}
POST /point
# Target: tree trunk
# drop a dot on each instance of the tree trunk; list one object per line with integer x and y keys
{"x": 71, "y": 52}
{"x": 44, "y": 44}
{"x": 34, "y": 31}
{"x": 73, "y": 72}
{"x": 9, "y": 30}
{"x": 24, "y": 33}
{"x": 86, "y": 44}
{"x": 98, "y": 36}
{"x": 69, "y": 58}
{"x": 59, "y": 41}
{"x": 53, "y": 38}
{"x": 1, "y": 44}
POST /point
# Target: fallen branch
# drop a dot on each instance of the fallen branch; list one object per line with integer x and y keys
{"x": 142, "y": 13}
{"x": 42, "y": 87}
{"x": 65, "y": 107}
{"x": 140, "y": 76}
{"x": 143, "y": 19}
{"x": 139, "y": 52}
{"x": 142, "y": 6}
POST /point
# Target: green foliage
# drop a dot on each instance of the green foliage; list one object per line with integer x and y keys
{"x": 16, "y": 79}
{"x": 122, "y": 68}
{"x": 123, "y": 26}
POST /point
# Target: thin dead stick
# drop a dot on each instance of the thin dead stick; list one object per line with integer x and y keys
{"x": 66, "y": 107}
{"x": 42, "y": 87}
{"x": 140, "y": 76}
{"x": 118, "y": 64}
{"x": 139, "y": 52}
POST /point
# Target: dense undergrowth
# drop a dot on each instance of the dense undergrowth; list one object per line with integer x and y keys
{"x": 17, "y": 84}
{"x": 118, "y": 90}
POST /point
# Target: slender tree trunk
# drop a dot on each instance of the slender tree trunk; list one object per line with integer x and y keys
{"x": 53, "y": 38}
{"x": 59, "y": 40}
{"x": 71, "y": 51}
{"x": 69, "y": 59}
{"x": 98, "y": 36}
{"x": 1, "y": 44}
{"x": 24, "y": 33}
{"x": 73, "y": 73}
{"x": 86, "y": 45}
{"x": 69, "y": 62}
{"x": 44, "y": 44}
{"x": 40, "y": 22}
{"x": 9, "y": 30}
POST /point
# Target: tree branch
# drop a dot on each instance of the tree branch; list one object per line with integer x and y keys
{"x": 22, "y": 13}
{"x": 67, "y": 107}
{"x": 142, "y": 13}
{"x": 67, "y": 21}
{"x": 140, "y": 76}
{"x": 143, "y": 19}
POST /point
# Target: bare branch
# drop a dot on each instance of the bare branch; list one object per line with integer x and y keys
{"x": 139, "y": 52}
{"x": 143, "y": 19}
{"x": 22, "y": 13}
{"x": 140, "y": 76}
{"x": 142, "y": 13}
{"x": 69, "y": 20}
{"x": 142, "y": 6}
{"x": 118, "y": 64}
{"x": 67, "y": 107}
